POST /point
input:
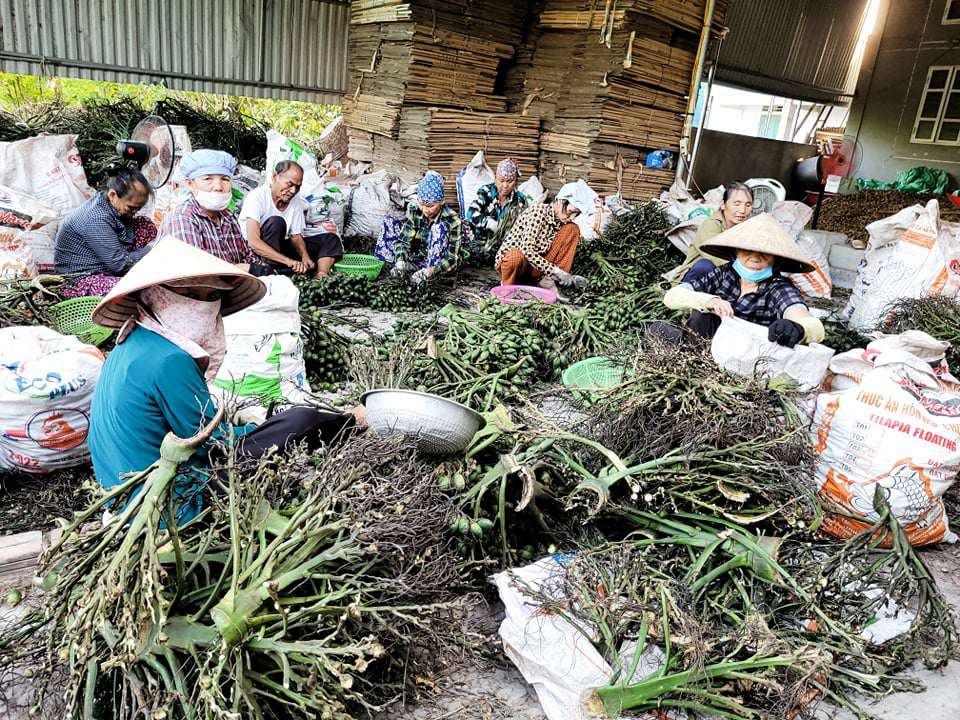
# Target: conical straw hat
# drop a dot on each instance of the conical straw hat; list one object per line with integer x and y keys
{"x": 171, "y": 260}
{"x": 761, "y": 233}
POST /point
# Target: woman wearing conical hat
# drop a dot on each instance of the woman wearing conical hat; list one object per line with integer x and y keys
{"x": 750, "y": 285}
{"x": 169, "y": 312}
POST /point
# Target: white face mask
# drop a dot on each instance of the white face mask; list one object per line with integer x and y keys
{"x": 215, "y": 201}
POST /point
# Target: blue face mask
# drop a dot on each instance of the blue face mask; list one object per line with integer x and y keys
{"x": 758, "y": 276}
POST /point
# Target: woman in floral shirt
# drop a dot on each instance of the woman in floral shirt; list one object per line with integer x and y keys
{"x": 540, "y": 248}
{"x": 426, "y": 241}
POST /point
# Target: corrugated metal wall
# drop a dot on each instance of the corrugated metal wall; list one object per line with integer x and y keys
{"x": 291, "y": 49}
{"x": 795, "y": 48}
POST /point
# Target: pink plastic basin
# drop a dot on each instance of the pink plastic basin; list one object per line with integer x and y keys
{"x": 520, "y": 294}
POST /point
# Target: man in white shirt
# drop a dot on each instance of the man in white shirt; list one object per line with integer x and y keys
{"x": 272, "y": 220}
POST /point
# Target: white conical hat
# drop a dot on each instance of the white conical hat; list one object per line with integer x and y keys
{"x": 171, "y": 260}
{"x": 761, "y": 233}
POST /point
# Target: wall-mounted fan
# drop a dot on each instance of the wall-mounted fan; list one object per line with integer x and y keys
{"x": 152, "y": 148}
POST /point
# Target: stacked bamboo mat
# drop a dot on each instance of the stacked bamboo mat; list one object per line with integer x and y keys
{"x": 501, "y": 20}
{"x": 426, "y": 80}
{"x": 607, "y": 166}
{"x": 571, "y": 88}
{"x": 396, "y": 63}
{"x": 608, "y": 15}
{"x": 611, "y": 83}
{"x": 446, "y": 139}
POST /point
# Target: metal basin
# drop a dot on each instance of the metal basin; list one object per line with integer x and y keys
{"x": 438, "y": 425}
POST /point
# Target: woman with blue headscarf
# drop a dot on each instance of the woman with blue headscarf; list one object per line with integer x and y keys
{"x": 426, "y": 242}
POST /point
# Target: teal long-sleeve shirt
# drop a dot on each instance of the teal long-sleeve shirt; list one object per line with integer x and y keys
{"x": 147, "y": 388}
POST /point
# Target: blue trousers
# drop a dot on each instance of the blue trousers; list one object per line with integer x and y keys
{"x": 432, "y": 249}
{"x": 699, "y": 269}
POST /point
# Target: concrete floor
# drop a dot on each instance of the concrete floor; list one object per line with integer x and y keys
{"x": 494, "y": 693}
{"x": 941, "y": 700}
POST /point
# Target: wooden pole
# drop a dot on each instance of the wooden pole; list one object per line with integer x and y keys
{"x": 695, "y": 86}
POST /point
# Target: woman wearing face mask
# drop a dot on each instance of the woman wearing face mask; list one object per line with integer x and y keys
{"x": 203, "y": 220}
{"x": 495, "y": 209}
{"x": 170, "y": 344}
{"x": 99, "y": 241}
{"x": 749, "y": 285}
{"x": 427, "y": 241}
{"x": 736, "y": 206}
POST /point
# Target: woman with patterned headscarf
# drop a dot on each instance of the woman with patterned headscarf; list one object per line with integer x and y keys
{"x": 426, "y": 242}
{"x": 496, "y": 208}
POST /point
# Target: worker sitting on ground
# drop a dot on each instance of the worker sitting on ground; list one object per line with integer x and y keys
{"x": 748, "y": 286}
{"x": 203, "y": 220}
{"x": 426, "y": 242}
{"x": 541, "y": 246}
{"x": 97, "y": 243}
{"x": 169, "y": 311}
{"x": 495, "y": 209}
{"x": 736, "y": 206}
{"x": 273, "y": 218}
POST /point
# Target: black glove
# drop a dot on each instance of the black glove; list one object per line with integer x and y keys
{"x": 785, "y": 332}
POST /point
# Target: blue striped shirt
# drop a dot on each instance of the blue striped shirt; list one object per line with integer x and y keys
{"x": 95, "y": 240}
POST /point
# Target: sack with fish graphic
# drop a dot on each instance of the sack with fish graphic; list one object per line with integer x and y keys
{"x": 46, "y": 387}
{"x": 891, "y": 426}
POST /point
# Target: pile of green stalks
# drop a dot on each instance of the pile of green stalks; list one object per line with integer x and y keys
{"x": 645, "y": 445}
{"x": 631, "y": 311}
{"x": 699, "y": 438}
{"x": 841, "y": 337}
{"x": 98, "y": 126}
{"x": 939, "y": 317}
{"x": 325, "y": 351}
{"x": 34, "y": 502}
{"x": 224, "y": 126}
{"x": 625, "y": 266}
{"x": 478, "y": 357}
{"x": 489, "y": 355}
{"x": 301, "y": 589}
{"x": 339, "y": 290}
{"x": 578, "y": 333}
{"x": 747, "y": 624}
{"x": 685, "y": 498}
{"x": 29, "y": 301}
{"x": 630, "y": 254}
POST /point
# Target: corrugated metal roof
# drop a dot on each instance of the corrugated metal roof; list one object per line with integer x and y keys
{"x": 794, "y": 48}
{"x": 290, "y": 49}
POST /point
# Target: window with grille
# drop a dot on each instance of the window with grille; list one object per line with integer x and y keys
{"x": 951, "y": 12}
{"x": 938, "y": 117}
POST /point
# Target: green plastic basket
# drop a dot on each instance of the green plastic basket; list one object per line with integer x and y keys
{"x": 354, "y": 264}
{"x": 73, "y": 318}
{"x": 588, "y": 376}
{"x": 596, "y": 373}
